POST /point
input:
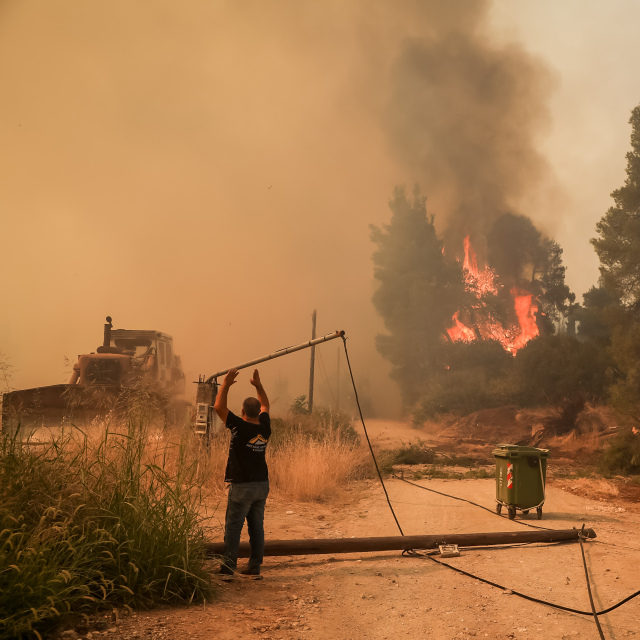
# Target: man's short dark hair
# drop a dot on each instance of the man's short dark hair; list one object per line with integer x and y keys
{"x": 251, "y": 407}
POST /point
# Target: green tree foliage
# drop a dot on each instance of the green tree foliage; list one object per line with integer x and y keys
{"x": 555, "y": 296}
{"x": 618, "y": 248}
{"x": 300, "y": 405}
{"x": 624, "y": 393}
{"x": 419, "y": 290}
{"x": 558, "y": 368}
{"x": 598, "y": 307}
{"x": 622, "y": 456}
{"x": 477, "y": 376}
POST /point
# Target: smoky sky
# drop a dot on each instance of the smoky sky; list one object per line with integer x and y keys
{"x": 465, "y": 114}
{"x": 210, "y": 169}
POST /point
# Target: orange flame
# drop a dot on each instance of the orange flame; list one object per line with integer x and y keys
{"x": 479, "y": 282}
{"x": 470, "y": 264}
{"x": 526, "y": 310}
{"x": 483, "y": 283}
{"x": 459, "y": 332}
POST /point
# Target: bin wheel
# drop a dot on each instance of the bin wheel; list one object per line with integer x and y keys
{"x": 525, "y": 512}
{"x": 498, "y": 508}
{"x": 539, "y": 512}
{"x": 511, "y": 513}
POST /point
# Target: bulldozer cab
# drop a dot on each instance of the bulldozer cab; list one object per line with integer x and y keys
{"x": 149, "y": 351}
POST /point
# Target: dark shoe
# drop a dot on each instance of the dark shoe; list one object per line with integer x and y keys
{"x": 252, "y": 573}
{"x": 224, "y": 573}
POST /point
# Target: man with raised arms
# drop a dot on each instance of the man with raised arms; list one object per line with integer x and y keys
{"x": 247, "y": 474}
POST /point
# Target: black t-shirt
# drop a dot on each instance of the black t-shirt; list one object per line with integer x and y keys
{"x": 247, "y": 448}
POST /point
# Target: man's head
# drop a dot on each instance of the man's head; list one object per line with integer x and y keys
{"x": 251, "y": 407}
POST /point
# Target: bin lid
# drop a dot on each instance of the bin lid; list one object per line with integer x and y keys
{"x": 516, "y": 451}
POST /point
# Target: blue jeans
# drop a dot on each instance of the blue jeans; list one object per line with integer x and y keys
{"x": 246, "y": 501}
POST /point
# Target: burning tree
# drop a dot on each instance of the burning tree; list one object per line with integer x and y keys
{"x": 522, "y": 293}
{"x": 488, "y": 313}
{"x": 453, "y": 327}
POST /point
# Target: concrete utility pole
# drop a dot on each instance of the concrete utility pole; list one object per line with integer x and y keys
{"x": 313, "y": 362}
{"x": 401, "y": 543}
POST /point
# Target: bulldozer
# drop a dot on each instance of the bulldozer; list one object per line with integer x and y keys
{"x": 131, "y": 369}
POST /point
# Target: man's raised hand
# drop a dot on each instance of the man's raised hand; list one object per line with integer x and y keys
{"x": 255, "y": 381}
{"x": 230, "y": 378}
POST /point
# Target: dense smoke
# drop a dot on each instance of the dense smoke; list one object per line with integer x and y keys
{"x": 210, "y": 169}
{"x": 465, "y": 114}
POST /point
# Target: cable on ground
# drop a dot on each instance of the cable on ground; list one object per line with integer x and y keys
{"x": 415, "y": 553}
{"x": 524, "y": 524}
{"x": 475, "y": 504}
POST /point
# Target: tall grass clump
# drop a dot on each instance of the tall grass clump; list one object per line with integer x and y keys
{"x": 312, "y": 457}
{"x": 87, "y": 524}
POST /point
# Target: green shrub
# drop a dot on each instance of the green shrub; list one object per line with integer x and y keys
{"x": 85, "y": 524}
{"x": 456, "y": 461}
{"x": 321, "y": 425}
{"x": 551, "y": 369}
{"x": 414, "y": 453}
{"x": 300, "y": 406}
{"x": 463, "y": 392}
{"x": 622, "y": 456}
{"x": 436, "y": 472}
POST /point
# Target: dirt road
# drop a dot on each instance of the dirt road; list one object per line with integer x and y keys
{"x": 384, "y": 595}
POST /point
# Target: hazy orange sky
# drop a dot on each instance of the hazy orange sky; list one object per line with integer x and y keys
{"x": 209, "y": 169}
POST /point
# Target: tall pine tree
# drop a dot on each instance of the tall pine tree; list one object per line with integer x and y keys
{"x": 618, "y": 248}
{"x": 419, "y": 291}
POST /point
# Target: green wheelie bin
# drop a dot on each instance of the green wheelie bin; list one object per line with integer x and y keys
{"x": 521, "y": 474}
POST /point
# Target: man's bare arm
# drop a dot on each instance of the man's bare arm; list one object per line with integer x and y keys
{"x": 262, "y": 395}
{"x": 221, "y": 399}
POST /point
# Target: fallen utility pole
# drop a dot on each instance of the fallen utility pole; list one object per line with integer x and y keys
{"x": 402, "y": 543}
{"x": 278, "y": 354}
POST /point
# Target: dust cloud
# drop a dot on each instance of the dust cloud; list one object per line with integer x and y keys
{"x": 210, "y": 169}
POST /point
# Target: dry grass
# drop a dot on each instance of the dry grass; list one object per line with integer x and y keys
{"x": 304, "y": 469}
{"x": 118, "y": 513}
{"x": 309, "y": 460}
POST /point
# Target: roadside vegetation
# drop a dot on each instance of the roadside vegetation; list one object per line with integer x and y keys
{"x": 311, "y": 457}
{"x": 93, "y": 524}
{"x": 622, "y": 456}
{"x": 417, "y": 460}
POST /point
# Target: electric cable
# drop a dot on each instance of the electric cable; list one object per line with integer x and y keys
{"x": 524, "y": 524}
{"x": 415, "y": 553}
{"x": 585, "y": 613}
{"x": 613, "y": 544}
{"x": 326, "y": 379}
{"x": 375, "y": 462}
{"x": 475, "y": 504}
{"x": 429, "y": 556}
